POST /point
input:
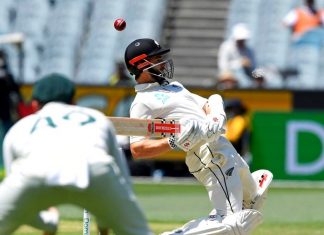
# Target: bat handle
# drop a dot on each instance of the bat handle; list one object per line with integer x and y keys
{"x": 86, "y": 222}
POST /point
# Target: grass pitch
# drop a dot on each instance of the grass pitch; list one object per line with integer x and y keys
{"x": 169, "y": 205}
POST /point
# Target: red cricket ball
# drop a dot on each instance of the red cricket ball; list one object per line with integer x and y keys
{"x": 120, "y": 24}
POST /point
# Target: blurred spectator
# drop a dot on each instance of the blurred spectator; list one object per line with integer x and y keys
{"x": 121, "y": 76}
{"x": 304, "y": 19}
{"x": 238, "y": 130}
{"x": 236, "y": 57}
{"x": 226, "y": 81}
{"x": 259, "y": 78}
{"x": 10, "y": 95}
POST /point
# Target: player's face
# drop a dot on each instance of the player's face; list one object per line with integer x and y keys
{"x": 161, "y": 65}
{"x": 158, "y": 62}
{"x": 145, "y": 77}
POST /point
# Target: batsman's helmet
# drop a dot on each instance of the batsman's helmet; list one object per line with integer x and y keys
{"x": 138, "y": 54}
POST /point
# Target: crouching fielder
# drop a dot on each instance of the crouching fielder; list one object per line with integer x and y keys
{"x": 211, "y": 158}
{"x": 65, "y": 154}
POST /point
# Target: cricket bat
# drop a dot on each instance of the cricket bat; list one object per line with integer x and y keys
{"x": 145, "y": 127}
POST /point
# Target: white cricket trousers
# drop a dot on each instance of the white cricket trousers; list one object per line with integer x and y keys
{"x": 227, "y": 178}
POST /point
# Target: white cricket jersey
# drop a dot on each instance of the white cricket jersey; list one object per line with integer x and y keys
{"x": 170, "y": 101}
{"x": 175, "y": 101}
{"x": 59, "y": 142}
{"x": 210, "y": 162}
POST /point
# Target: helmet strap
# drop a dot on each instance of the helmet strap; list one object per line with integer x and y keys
{"x": 162, "y": 81}
{"x": 159, "y": 79}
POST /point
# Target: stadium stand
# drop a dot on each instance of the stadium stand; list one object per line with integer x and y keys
{"x": 307, "y": 59}
{"x": 194, "y": 31}
{"x": 97, "y": 54}
{"x": 76, "y": 37}
{"x": 145, "y": 20}
{"x": 65, "y": 29}
{"x": 5, "y": 9}
{"x": 274, "y": 48}
{"x": 32, "y": 24}
{"x": 104, "y": 45}
{"x": 244, "y": 11}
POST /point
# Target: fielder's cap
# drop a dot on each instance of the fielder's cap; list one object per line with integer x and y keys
{"x": 140, "y": 49}
{"x": 53, "y": 87}
{"x": 240, "y": 32}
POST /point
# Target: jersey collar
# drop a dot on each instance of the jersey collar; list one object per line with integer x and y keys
{"x": 145, "y": 86}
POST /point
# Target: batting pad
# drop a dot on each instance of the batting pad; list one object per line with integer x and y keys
{"x": 240, "y": 223}
{"x": 202, "y": 226}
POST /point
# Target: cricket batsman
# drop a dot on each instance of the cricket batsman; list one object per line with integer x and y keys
{"x": 235, "y": 194}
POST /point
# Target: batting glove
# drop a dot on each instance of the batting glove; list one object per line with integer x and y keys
{"x": 210, "y": 131}
{"x": 184, "y": 140}
{"x": 220, "y": 119}
{"x": 194, "y": 131}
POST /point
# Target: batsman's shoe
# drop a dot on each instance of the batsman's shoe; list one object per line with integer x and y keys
{"x": 263, "y": 179}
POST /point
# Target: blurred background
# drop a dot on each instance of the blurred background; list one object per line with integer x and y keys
{"x": 266, "y": 64}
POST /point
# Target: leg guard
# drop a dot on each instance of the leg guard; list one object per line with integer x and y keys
{"x": 243, "y": 222}
{"x": 263, "y": 179}
{"x": 203, "y": 226}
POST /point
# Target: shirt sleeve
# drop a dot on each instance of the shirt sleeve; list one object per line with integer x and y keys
{"x": 228, "y": 57}
{"x": 223, "y": 57}
{"x": 201, "y": 101}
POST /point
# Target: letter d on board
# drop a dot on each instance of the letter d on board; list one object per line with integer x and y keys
{"x": 292, "y": 164}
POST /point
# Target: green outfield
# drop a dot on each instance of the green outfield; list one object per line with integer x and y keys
{"x": 289, "y": 211}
